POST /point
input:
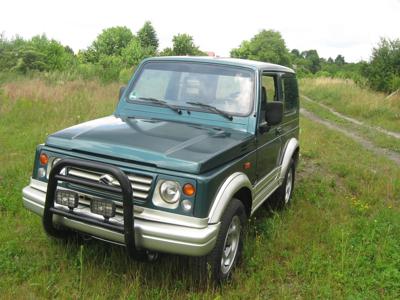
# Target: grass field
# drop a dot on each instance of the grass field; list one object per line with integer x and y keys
{"x": 344, "y": 96}
{"x": 340, "y": 238}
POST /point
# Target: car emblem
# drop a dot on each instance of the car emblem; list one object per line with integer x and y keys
{"x": 106, "y": 179}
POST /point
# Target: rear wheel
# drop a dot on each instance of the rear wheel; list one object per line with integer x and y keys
{"x": 283, "y": 195}
{"x": 223, "y": 259}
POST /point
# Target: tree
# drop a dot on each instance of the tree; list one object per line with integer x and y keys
{"x": 243, "y": 51}
{"x": 312, "y": 60}
{"x": 295, "y": 53}
{"x": 56, "y": 56}
{"x": 339, "y": 60}
{"x": 111, "y": 42}
{"x": 167, "y": 52}
{"x": 31, "y": 60}
{"x": 38, "y": 53}
{"x": 383, "y": 71}
{"x": 183, "y": 44}
{"x": 268, "y": 46}
{"x": 148, "y": 36}
{"x": 135, "y": 52}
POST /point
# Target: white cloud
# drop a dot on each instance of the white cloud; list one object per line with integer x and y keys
{"x": 350, "y": 28}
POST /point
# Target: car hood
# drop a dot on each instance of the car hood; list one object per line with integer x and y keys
{"x": 165, "y": 144}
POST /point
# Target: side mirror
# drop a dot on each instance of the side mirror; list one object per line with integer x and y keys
{"x": 274, "y": 113}
{"x": 121, "y": 91}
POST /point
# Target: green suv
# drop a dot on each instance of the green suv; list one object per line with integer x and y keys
{"x": 193, "y": 148}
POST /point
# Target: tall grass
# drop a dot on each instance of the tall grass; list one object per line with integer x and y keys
{"x": 340, "y": 238}
{"x": 82, "y": 72}
{"x": 348, "y": 98}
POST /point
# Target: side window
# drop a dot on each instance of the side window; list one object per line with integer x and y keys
{"x": 269, "y": 92}
{"x": 290, "y": 93}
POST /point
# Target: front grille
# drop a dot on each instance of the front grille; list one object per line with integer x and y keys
{"x": 141, "y": 184}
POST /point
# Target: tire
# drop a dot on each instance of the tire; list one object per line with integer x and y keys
{"x": 282, "y": 197}
{"x": 217, "y": 266}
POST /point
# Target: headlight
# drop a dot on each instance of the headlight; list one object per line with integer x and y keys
{"x": 170, "y": 191}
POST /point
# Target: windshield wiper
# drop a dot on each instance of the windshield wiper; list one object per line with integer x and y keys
{"x": 212, "y": 108}
{"x": 163, "y": 103}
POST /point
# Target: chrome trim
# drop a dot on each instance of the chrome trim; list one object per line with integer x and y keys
{"x": 152, "y": 234}
{"x": 266, "y": 180}
{"x": 265, "y": 194}
{"x": 231, "y": 185}
{"x": 265, "y": 187}
{"x": 141, "y": 212}
{"x": 38, "y": 185}
{"x": 141, "y": 185}
{"x": 159, "y": 201}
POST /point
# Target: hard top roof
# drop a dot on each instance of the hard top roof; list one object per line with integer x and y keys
{"x": 227, "y": 61}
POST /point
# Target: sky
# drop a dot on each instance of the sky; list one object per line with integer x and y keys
{"x": 347, "y": 27}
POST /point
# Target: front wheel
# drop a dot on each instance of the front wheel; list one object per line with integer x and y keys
{"x": 227, "y": 252}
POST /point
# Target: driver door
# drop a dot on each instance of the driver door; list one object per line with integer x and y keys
{"x": 269, "y": 142}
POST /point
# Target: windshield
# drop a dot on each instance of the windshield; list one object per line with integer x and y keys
{"x": 229, "y": 89}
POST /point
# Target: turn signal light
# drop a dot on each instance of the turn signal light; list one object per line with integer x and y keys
{"x": 44, "y": 159}
{"x": 189, "y": 189}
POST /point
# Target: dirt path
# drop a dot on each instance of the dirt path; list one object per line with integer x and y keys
{"x": 354, "y": 121}
{"x": 393, "y": 156}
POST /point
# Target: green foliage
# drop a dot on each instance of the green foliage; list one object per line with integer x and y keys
{"x": 339, "y": 60}
{"x": 183, "y": 44}
{"x": 117, "y": 48}
{"x": 383, "y": 72}
{"x": 268, "y": 46}
{"x": 148, "y": 36}
{"x": 30, "y": 60}
{"x": 110, "y": 42}
{"x": 134, "y": 52}
{"x": 243, "y": 51}
{"x": 167, "y": 52}
{"x": 111, "y": 66}
{"x": 312, "y": 60}
{"x": 38, "y": 53}
{"x": 309, "y": 64}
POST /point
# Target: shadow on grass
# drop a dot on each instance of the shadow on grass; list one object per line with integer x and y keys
{"x": 98, "y": 258}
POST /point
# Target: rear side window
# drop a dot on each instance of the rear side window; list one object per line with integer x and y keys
{"x": 290, "y": 93}
{"x": 269, "y": 92}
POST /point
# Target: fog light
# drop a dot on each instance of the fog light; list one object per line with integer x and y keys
{"x": 67, "y": 198}
{"x": 186, "y": 205}
{"x": 41, "y": 172}
{"x": 102, "y": 207}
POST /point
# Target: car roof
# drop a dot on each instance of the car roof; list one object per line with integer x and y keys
{"x": 264, "y": 66}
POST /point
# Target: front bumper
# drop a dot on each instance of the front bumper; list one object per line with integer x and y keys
{"x": 153, "y": 231}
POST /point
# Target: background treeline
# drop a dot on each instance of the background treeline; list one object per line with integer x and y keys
{"x": 115, "y": 53}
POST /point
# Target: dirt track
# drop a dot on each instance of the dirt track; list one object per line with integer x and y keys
{"x": 393, "y": 156}
{"x": 354, "y": 121}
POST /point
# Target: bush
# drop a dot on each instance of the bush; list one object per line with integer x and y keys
{"x": 383, "y": 72}
{"x": 111, "y": 66}
{"x": 125, "y": 75}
